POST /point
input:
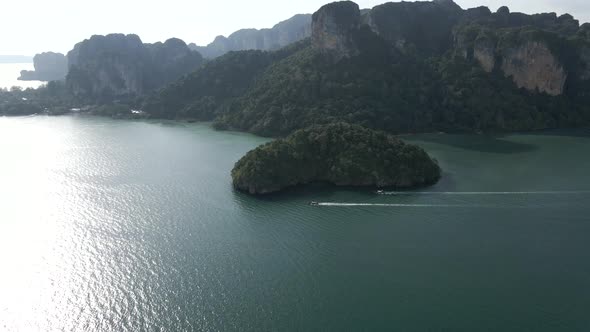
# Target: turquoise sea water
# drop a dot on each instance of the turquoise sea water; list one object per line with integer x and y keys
{"x": 134, "y": 226}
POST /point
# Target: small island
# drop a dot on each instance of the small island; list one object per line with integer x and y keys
{"x": 341, "y": 154}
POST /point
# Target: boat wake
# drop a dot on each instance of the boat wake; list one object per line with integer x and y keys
{"x": 466, "y": 193}
{"x": 459, "y": 193}
{"x": 405, "y": 205}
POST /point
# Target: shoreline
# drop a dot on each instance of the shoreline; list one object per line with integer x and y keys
{"x": 145, "y": 116}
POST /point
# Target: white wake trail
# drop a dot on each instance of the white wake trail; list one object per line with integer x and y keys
{"x": 408, "y": 193}
{"x": 404, "y": 205}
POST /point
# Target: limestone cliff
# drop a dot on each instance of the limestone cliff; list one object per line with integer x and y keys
{"x": 534, "y": 67}
{"x": 401, "y": 67}
{"x": 584, "y": 72}
{"x": 282, "y": 34}
{"x": 477, "y": 13}
{"x": 422, "y": 26}
{"x": 515, "y": 43}
{"x": 121, "y": 66}
{"x": 478, "y": 44}
{"x": 484, "y": 51}
{"x": 448, "y": 4}
{"x": 584, "y": 50}
{"x": 529, "y": 62}
{"x": 334, "y": 27}
{"x": 535, "y": 51}
{"x": 49, "y": 66}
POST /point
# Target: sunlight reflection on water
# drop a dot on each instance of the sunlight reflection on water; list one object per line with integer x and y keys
{"x": 9, "y": 73}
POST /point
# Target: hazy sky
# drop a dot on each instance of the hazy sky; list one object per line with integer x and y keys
{"x": 33, "y": 26}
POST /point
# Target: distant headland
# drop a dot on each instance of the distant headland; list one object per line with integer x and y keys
{"x": 49, "y": 66}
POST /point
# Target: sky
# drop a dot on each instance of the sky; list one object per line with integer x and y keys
{"x": 33, "y": 26}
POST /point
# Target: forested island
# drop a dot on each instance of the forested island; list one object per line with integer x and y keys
{"x": 400, "y": 67}
{"x": 341, "y": 154}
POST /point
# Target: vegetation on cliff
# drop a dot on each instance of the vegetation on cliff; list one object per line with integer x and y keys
{"x": 308, "y": 87}
{"x": 399, "y": 77}
{"x": 338, "y": 153}
{"x": 400, "y": 67}
{"x": 103, "y": 69}
{"x": 51, "y": 98}
{"x": 209, "y": 92}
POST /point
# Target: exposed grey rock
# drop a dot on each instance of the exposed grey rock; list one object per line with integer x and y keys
{"x": 423, "y": 26}
{"x": 121, "y": 66}
{"x": 49, "y": 66}
{"x": 477, "y": 13}
{"x": 484, "y": 51}
{"x": 504, "y": 10}
{"x": 334, "y": 26}
{"x": 448, "y": 4}
{"x": 584, "y": 73}
{"x": 532, "y": 66}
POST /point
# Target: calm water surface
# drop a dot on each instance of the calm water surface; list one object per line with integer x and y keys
{"x": 133, "y": 226}
{"x": 9, "y": 73}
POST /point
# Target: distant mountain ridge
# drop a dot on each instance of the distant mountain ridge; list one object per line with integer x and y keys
{"x": 282, "y": 34}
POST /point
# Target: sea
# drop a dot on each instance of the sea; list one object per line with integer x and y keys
{"x": 9, "y": 73}
{"x": 116, "y": 225}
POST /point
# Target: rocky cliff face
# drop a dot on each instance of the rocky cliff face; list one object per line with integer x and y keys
{"x": 284, "y": 33}
{"x": 539, "y": 52}
{"x": 420, "y": 75}
{"x": 406, "y": 26}
{"x": 584, "y": 50}
{"x": 584, "y": 73}
{"x": 49, "y": 66}
{"x": 422, "y": 26}
{"x": 484, "y": 51}
{"x": 532, "y": 66}
{"x": 530, "y": 63}
{"x": 120, "y": 66}
{"x": 475, "y": 43}
{"x": 517, "y": 44}
{"x": 171, "y": 60}
{"x": 334, "y": 26}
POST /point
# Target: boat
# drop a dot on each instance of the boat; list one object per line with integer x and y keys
{"x": 380, "y": 192}
{"x": 314, "y": 203}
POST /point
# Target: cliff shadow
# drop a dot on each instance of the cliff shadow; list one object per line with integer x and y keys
{"x": 318, "y": 191}
{"x": 478, "y": 143}
{"x": 574, "y": 132}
